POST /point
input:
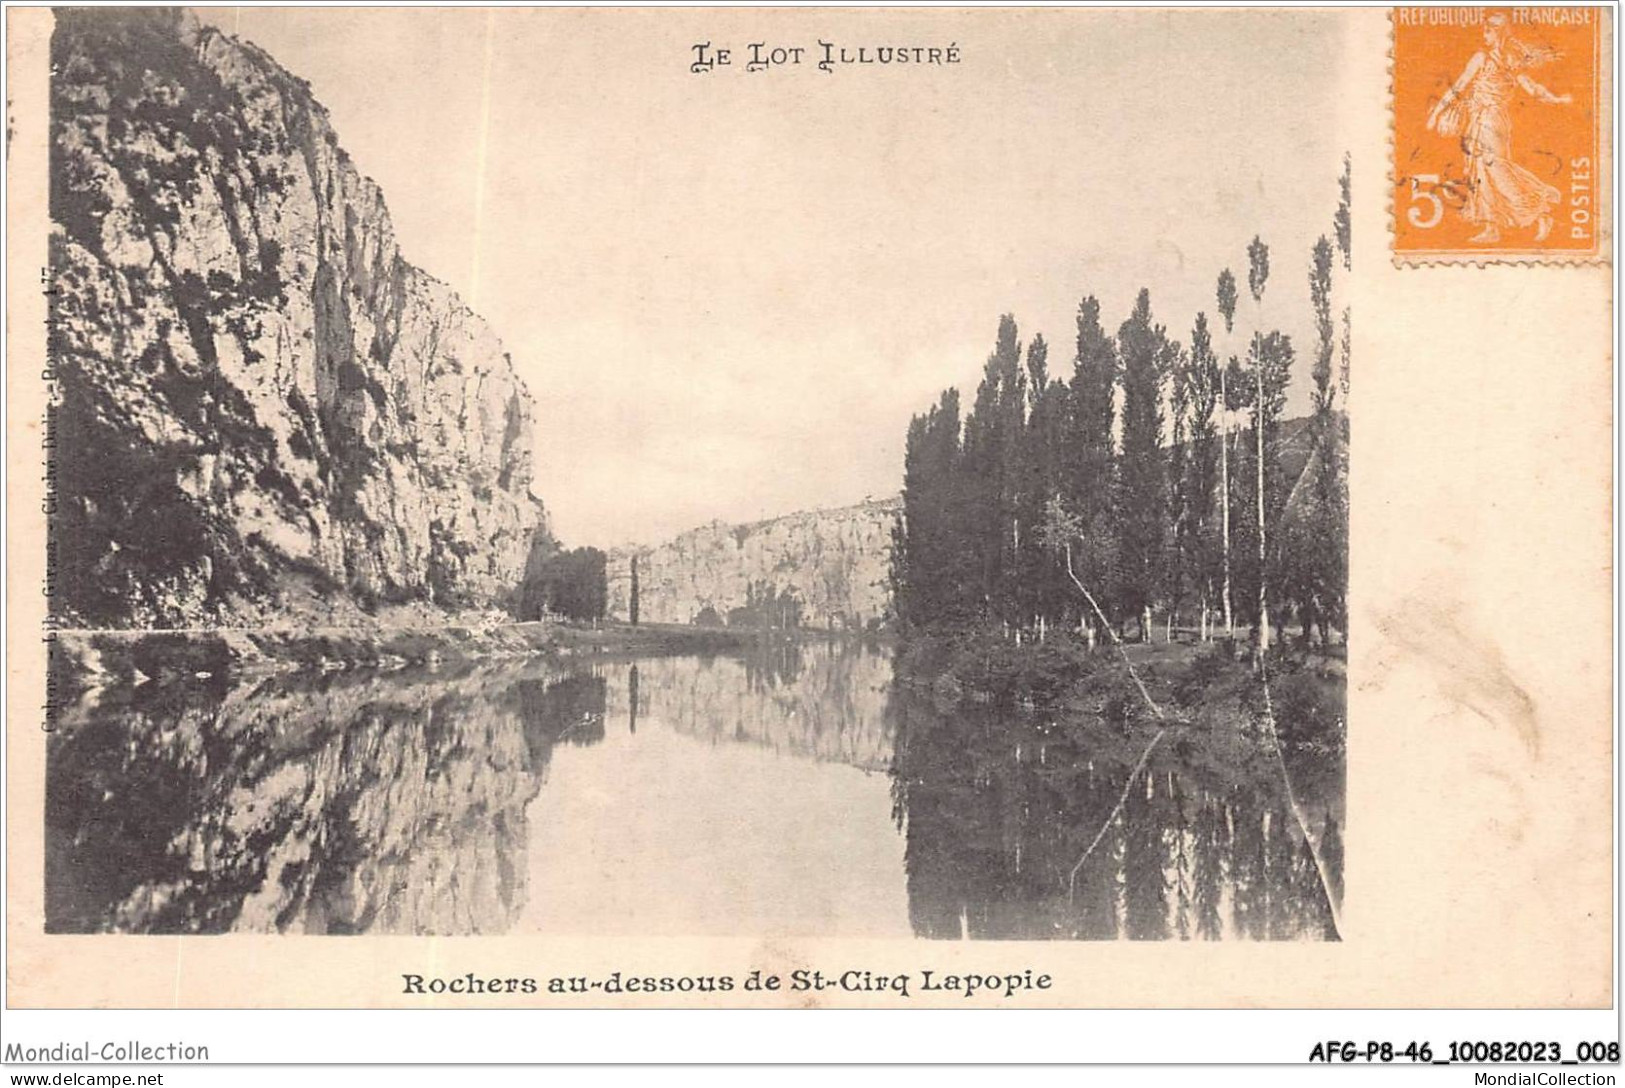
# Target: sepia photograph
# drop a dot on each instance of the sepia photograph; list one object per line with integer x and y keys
{"x": 483, "y": 586}
{"x": 813, "y": 508}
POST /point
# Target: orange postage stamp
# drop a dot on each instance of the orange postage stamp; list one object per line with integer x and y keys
{"x": 1499, "y": 134}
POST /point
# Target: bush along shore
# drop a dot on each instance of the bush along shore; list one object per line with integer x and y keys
{"x": 1204, "y": 686}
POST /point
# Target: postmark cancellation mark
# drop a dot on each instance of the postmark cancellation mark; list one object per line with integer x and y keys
{"x": 1499, "y": 123}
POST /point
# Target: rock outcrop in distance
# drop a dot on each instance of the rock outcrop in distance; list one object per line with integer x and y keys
{"x": 837, "y": 562}
{"x": 263, "y": 412}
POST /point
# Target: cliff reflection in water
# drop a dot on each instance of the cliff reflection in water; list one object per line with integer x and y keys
{"x": 390, "y": 803}
{"x": 394, "y": 802}
{"x": 824, "y": 700}
{"x": 794, "y": 790}
{"x": 998, "y": 807}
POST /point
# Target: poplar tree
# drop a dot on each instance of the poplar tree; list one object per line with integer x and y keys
{"x": 1322, "y": 549}
{"x": 1040, "y": 580}
{"x": 1258, "y": 274}
{"x": 1089, "y": 464}
{"x": 992, "y": 435}
{"x": 1203, "y": 379}
{"x": 1180, "y": 546}
{"x": 933, "y": 552}
{"x": 1226, "y": 294}
{"x": 1315, "y": 524}
{"x": 1142, "y": 497}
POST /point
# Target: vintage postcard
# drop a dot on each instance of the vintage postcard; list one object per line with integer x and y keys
{"x": 809, "y": 508}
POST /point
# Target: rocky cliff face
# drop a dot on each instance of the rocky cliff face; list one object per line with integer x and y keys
{"x": 836, "y": 562}
{"x": 262, "y": 408}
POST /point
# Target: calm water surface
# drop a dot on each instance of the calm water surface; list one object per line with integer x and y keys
{"x": 795, "y": 791}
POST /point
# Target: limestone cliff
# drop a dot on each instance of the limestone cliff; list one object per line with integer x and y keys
{"x": 262, "y": 409}
{"x": 835, "y": 561}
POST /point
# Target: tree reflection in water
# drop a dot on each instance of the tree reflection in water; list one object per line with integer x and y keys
{"x": 399, "y": 802}
{"x": 390, "y": 802}
{"x": 997, "y": 806}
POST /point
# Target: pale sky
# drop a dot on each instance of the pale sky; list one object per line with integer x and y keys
{"x": 729, "y": 292}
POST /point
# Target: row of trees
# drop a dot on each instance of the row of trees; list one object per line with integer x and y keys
{"x": 1161, "y": 476}
{"x": 570, "y": 584}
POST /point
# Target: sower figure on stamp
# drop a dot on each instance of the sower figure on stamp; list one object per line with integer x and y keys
{"x": 1500, "y": 192}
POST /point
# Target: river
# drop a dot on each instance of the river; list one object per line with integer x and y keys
{"x": 792, "y": 792}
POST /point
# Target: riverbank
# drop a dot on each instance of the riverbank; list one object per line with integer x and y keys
{"x": 82, "y": 659}
{"x": 1208, "y": 686}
